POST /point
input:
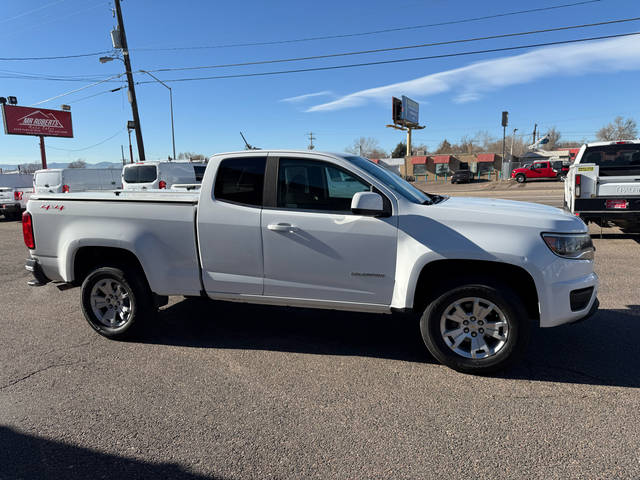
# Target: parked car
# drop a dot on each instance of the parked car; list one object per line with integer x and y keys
{"x": 603, "y": 184}
{"x": 274, "y": 227}
{"x": 15, "y": 190}
{"x": 540, "y": 169}
{"x": 462, "y": 176}
{"x": 161, "y": 175}
{"x": 65, "y": 180}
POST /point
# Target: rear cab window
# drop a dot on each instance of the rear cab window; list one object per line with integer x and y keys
{"x": 241, "y": 180}
{"x": 619, "y": 159}
{"x": 47, "y": 179}
{"x": 140, "y": 174}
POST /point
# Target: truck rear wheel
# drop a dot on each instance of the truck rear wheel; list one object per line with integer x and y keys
{"x": 476, "y": 327}
{"x": 115, "y": 300}
{"x": 521, "y": 178}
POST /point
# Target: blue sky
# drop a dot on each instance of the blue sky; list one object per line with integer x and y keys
{"x": 576, "y": 88}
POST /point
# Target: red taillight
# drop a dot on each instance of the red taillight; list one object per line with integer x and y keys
{"x": 27, "y": 231}
{"x": 65, "y": 188}
{"x": 577, "y": 188}
{"x": 17, "y": 195}
{"x": 162, "y": 184}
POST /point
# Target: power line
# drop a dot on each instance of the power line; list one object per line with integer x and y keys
{"x": 91, "y": 146}
{"x": 22, "y": 75}
{"x": 57, "y": 57}
{"x": 384, "y": 62}
{"x": 373, "y": 32}
{"x": 405, "y": 47}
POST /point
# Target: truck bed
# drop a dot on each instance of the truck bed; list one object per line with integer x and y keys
{"x": 158, "y": 228}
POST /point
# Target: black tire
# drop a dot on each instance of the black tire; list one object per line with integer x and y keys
{"x": 138, "y": 300}
{"x": 510, "y": 351}
{"x": 521, "y": 178}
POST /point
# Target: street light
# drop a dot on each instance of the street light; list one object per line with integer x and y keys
{"x": 173, "y": 138}
{"x": 512, "y": 137}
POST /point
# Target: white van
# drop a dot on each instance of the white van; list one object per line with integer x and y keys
{"x": 63, "y": 180}
{"x": 161, "y": 175}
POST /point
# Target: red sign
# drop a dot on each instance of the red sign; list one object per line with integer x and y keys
{"x": 36, "y": 121}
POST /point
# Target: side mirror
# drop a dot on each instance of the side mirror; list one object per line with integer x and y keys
{"x": 367, "y": 203}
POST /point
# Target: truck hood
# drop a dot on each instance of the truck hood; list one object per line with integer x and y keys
{"x": 472, "y": 210}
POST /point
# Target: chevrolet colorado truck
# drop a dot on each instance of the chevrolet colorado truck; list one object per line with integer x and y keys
{"x": 603, "y": 184}
{"x": 321, "y": 230}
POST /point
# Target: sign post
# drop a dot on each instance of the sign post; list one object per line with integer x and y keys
{"x": 405, "y": 113}
{"x": 43, "y": 153}
{"x": 39, "y": 122}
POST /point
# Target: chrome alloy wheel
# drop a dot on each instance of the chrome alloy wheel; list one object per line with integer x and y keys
{"x": 111, "y": 303}
{"x": 474, "y": 328}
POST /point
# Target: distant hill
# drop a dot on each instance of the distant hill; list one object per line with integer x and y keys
{"x": 14, "y": 166}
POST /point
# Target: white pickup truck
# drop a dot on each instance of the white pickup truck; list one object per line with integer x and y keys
{"x": 15, "y": 190}
{"x": 603, "y": 184}
{"x": 331, "y": 231}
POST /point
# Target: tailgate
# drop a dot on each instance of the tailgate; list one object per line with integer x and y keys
{"x": 618, "y": 186}
{"x": 6, "y": 195}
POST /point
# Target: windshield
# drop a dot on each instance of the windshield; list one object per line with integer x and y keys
{"x": 391, "y": 180}
{"x": 140, "y": 174}
{"x": 621, "y": 159}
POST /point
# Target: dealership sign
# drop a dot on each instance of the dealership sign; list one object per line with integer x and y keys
{"x": 36, "y": 121}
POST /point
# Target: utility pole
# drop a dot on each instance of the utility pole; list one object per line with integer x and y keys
{"x": 122, "y": 152}
{"x": 311, "y": 139}
{"x": 513, "y": 136}
{"x": 535, "y": 127}
{"x": 132, "y": 91}
{"x": 505, "y": 122}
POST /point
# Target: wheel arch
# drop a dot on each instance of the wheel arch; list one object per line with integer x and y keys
{"x": 87, "y": 258}
{"x": 448, "y": 272}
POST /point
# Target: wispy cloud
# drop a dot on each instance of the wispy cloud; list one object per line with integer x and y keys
{"x": 301, "y": 98}
{"x": 471, "y": 82}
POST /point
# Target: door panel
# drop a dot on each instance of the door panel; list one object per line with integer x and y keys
{"x": 314, "y": 248}
{"x": 326, "y": 256}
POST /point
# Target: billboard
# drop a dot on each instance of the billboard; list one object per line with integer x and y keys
{"x": 36, "y": 121}
{"x": 410, "y": 110}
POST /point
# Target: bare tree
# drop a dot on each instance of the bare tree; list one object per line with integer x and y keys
{"x": 366, "y": 147}
{"x": 444, "y": 147}
{"x": 619, "y": 129}
{"x": 190, "y": 156}
{"x": 554, "y": 139}
{"x": 29, "y": 167}
{"x": 79, "y": 163}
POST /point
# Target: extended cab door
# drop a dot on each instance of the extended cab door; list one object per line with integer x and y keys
{"x": 314, "y": 247}
{"x": 229, "y": 236}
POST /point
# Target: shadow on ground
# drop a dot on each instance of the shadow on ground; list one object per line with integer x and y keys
{"x": 24, "y": 456}
{"x": 600, "y": 351}
{"x": 616, "y": 236}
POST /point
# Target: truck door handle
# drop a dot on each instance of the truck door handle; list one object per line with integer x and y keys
{"x": 281, "y": 227}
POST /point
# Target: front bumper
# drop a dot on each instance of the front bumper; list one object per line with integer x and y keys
{"x": 39, "y": 278}
{"x": 555, "y": 302}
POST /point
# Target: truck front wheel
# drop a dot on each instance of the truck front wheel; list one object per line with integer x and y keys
{"x": 521, "y": 178}
{"x": 114, "y": 300}
{"x": 477, "y": 328}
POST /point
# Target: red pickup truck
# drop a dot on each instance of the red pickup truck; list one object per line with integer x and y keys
{"x": 540, "y": 169}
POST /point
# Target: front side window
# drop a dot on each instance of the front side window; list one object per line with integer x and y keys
{"x": 241, "y": 180}
{"x": 314, "y": 185}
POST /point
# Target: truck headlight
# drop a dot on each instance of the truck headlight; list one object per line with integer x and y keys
{"x": 577, "y": 246}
